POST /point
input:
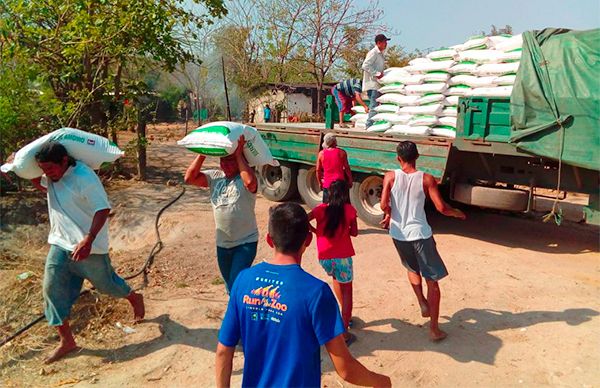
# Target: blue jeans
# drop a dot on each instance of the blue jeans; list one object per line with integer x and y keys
{"x": 373, "y": 96}
{"x": 63, "y": 278}
{"x": 233, "y": 260}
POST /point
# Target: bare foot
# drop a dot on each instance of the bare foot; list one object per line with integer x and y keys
{"x": 62, "y": 350}
{"x": 437, "y": 335}
{"x": 424, "y": 310}
{"x": 137, "y": 302}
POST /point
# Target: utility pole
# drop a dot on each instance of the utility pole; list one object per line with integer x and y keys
{"x": 226, "y": 93}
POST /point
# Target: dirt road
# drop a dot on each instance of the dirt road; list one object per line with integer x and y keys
{"x": 520, "y": 305}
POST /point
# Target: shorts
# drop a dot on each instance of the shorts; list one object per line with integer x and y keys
{"x": 422, "y": 257}
{"x": 344, "y": 103}
{"x": 64, "y": 277}
{"x": 339, "y": 269}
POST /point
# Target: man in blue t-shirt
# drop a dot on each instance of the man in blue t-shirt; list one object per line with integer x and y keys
{"x": 283, "y": 315}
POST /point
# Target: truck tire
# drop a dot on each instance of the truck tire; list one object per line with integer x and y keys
{"x": 491, "y": 197}
{"x": 365, "y": 196}
{"x": 278, "y": 183}
{"x": 308, "y": 186}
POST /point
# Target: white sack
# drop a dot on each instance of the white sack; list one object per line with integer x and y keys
{"x": 398, "y": 99}
{"x": 91, "y": 149}
{"x": 430, "y": 109}
{"x": 408, "y": 130}
{"x": 434, "y": 87}
{"x": 498, "y": 69}
{"x": 498, "y": 91}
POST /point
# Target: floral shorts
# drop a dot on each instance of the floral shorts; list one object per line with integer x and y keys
{"x": 339, "y": 269}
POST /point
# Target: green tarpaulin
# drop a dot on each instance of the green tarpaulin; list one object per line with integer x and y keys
{"x": 555, "y": 103}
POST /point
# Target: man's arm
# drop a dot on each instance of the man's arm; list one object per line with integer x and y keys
{"x": 37, "y": 183}
{"x": 224, "y": 364}
{"x": 350, "y": 369}
{"x": 358, "y": 98}
{"x": 388, "y": 182}
{"x": 431, "y": 189}
{"x": 319, "y": 169}
{"x": 369, "y": 65}
{"x": 193, "y": 176}
{"x": 83, "y": 249}
{"x": 246, "y": 172}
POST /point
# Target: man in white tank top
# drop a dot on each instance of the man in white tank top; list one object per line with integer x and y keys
{"x": 403, "y": 202}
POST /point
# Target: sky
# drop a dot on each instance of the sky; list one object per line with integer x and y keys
{"x": 427, "y": 24}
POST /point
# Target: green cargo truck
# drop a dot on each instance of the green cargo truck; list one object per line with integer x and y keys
{"x": 504, "y": 148}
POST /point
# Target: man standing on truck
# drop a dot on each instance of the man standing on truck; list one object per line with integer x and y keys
{"x": 403, "y": 202}
{"x": 373, "y": 67}
{"x": 345, "y": 94}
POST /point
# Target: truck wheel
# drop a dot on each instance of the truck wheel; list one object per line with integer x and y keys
{"x": 308, "y": 186}
{"x": 491, "y": 197}
{"x": 365, "y": 197}
{"x": 278, "y": 183}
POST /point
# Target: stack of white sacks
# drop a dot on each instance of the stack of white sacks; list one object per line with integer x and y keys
{"x": 422, "y": 98}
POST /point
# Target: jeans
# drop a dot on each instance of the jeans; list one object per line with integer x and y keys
{"x": 373, "y": 96}
{"x": 233, "y": 260}
{"x": 63, "y": 278}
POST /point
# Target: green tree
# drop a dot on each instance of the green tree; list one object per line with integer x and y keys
{"x": 91, "y": 52}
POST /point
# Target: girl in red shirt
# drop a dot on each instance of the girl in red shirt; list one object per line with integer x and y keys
{"x": 336, "y": 223}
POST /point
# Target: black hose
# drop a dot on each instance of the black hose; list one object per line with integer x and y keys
{"x": 144, "y": 270}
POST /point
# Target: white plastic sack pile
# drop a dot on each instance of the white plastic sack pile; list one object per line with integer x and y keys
{"x": 498, "y": 69}
{"x": 389, "y": 108}
{"x": 482, "y": 56}
{"x": 423, "y": 120}
{"x": 380, "y": 126}
{"x": 443, "y": 131}
{"x": 395, "y": 87}
{"x": 442, "y": 54}
{"x": 409, "y": 130}
{"x": 473, "y": 81}
{"x": 498, "y": 91}
{"x": 358, "y": 109}
{"x": 434, "y": 87}
{"x": 464, "y": 67}
{"x": 220, "y": 138}
{"x": 91, "y": 149}
{"x": 359, "y": 118}
{"x": 429, "y": 109}
{"x": 398, "y": 99}
{"x": 392, "y": 118}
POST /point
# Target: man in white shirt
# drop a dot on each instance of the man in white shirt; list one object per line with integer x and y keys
{"x": 373, "y": 67}
{"x": 78, "y": 208}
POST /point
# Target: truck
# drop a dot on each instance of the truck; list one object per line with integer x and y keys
{"x": 545, "y": 136}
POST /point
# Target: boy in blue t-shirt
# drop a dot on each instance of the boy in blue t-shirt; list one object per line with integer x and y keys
{"x": 283, "y": 315}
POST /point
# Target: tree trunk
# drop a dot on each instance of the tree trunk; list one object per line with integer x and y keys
{"x": 141, "y": 146}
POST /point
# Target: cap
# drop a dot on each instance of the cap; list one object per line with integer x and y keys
{"x": 381, "y": 38}
{"x": 329, "y": 140}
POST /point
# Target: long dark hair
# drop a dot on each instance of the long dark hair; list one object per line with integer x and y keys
{"x": 335, "y": 216}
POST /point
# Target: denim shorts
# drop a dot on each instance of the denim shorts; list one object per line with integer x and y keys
{"x": 339, "y": 269}
{"x": 63, "y": 278}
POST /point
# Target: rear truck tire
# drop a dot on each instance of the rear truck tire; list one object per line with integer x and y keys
{"x": 308, "y": 186}
{"x": 491, "y": 197}
{"x": 365, "y": 196}
{"x": 278, "y": 184}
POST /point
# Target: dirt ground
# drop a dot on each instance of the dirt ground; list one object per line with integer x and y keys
{"x": 520, "y": 305}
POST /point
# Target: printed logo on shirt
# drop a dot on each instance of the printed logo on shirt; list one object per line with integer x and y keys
{"x": 263, "y": 302}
